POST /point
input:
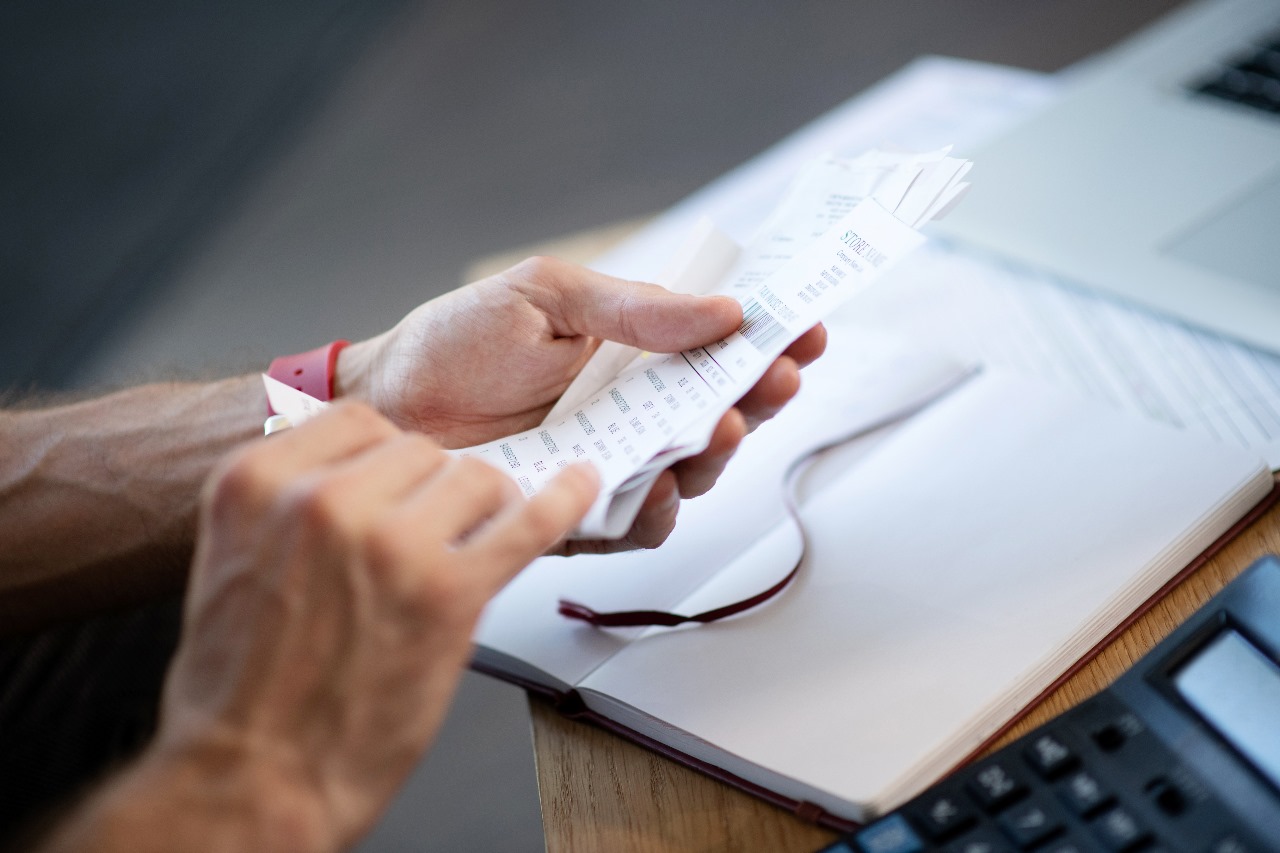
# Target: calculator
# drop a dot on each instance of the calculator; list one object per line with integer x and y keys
{"x": 1181, "y": 753}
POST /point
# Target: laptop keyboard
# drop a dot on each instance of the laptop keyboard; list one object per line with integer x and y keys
{"x": 1253, "y": 80}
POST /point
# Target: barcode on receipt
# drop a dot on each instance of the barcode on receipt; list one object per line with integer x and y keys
{"x": 759, "y": 326}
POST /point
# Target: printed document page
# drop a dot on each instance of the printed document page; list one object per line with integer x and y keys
{"x": 1005, "y": 315}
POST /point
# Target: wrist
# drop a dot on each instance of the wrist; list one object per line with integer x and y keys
{"x": 355, "y": 369}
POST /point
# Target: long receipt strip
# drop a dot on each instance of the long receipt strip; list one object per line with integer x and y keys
{"x": 663, "y": 408}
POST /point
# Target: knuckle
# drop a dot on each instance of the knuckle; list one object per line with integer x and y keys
{"x": 242, "y": 479}
{"x": 538, "y": 267}
{"x": 634, "y": 303}
{"x": 317, "y": 504}
{"x": 650, "y": 290}
{"x": 542, "y": 279}
{"x": 628, "y": 315}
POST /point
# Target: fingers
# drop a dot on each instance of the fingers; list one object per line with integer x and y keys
{"x": 425, "y": 520}
{"x": 342, "y": 432}
{"x": 781, "y": 381}
{"x": 529, "y": 529}
{"x": 383, "y": 475}
{"x": 771, "y": 392}
{"x": 462, "y": 497}
{"x": 806, "y": 349}
{"x": 686, "y": 479}
{"x": 697, "y": 474}
{"x": 256, "y": 474}
{"x": 459, "y": 517}
{"x": 579, "y": 301}
{"x": 331, "y": 611}
{"x": 657, "y": 516}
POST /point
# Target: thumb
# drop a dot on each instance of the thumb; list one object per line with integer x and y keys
{"x": 580, "y": 301}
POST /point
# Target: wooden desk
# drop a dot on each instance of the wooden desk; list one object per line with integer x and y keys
{"x": 601, "y": 793}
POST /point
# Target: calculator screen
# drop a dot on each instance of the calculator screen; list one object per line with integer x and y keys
{"x": 1235, "y": 688}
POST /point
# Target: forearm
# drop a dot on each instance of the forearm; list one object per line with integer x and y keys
{"x": 98, "y": 498}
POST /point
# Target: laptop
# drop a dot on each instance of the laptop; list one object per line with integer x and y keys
{"x": 1171, "y": 193}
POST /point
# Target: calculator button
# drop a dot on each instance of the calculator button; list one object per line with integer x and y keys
{"x": 1030, "y": 823}
{"x": 1109, "y": 738}
{"x": 995, "y": 787}
{"x": 943, "y": 815}
{"x": 1083, "y": 793}
{"x": 1167, "y": 796}
{"x": 1114, "y": 735}
{"x": 1049, "y": 756}
{"x": 890, "y": 835}
{"x": 1119, "y": 830}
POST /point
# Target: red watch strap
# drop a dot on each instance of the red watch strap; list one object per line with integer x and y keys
{"x": 309, "y": 372}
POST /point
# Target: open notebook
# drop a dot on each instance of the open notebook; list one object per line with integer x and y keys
{"x": 958, "y": 564}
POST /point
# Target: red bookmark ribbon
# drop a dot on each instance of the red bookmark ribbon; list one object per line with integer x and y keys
{"x": 661, "y": 618}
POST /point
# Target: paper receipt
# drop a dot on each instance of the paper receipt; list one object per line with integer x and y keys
{"x": 663, "y": 407}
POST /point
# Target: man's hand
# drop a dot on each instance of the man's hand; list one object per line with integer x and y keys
{"x": 340, "y": 568}
{"x": 490, "y": 359}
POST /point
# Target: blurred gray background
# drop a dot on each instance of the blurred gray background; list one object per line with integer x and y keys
{"x": 189, "y": 189}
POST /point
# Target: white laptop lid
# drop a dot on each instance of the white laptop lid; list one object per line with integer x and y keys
{"x": 1173, "y": 197}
